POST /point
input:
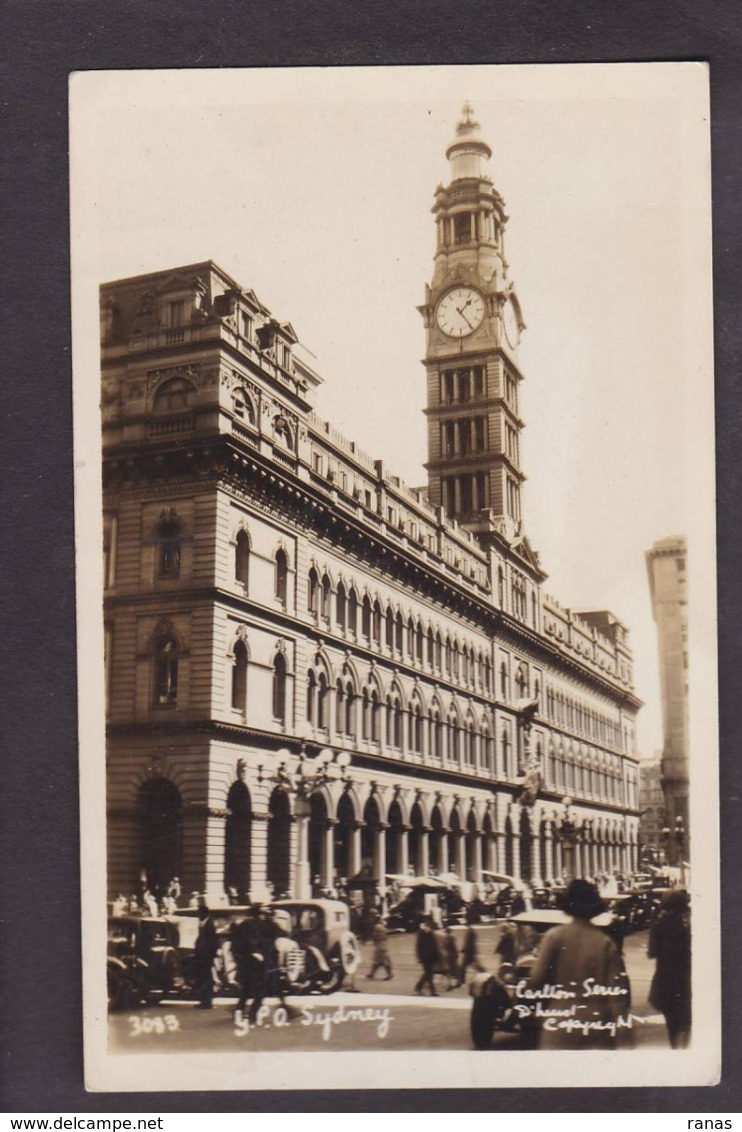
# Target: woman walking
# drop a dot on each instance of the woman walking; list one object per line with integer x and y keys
{"x": 669, "y": 944}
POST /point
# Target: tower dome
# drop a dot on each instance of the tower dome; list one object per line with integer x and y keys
{"x": 468, "y": 151}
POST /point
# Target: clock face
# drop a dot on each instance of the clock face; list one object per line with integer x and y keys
{"x": 512, "y": 324}
{"x": 460, "y": 312}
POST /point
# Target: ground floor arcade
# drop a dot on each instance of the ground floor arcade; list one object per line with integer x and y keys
{"x": 220, "y": 820}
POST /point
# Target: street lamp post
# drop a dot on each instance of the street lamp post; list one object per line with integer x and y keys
{"x": 674, "y": 840}
{"x": 302, "y": 777}
{"x": 568, "y": 833}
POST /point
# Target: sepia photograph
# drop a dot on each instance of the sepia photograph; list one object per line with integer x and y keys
{"x": 394, "y": 446}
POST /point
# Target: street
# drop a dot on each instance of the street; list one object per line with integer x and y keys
{"x": 365, "y": 1014}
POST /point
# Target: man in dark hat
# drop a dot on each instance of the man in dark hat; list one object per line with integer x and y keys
{"x": 585, "y": 1002}
{"x": 207, "y": 945}
{"x": 248, "y": 948}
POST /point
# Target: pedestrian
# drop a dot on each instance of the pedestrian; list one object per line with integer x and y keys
{"x": 382, "y": 957}
{"x": 426, "y": 950}
{"x": 669, "y": 945}
{"x": 579, "y": 960}
{"x": 506, "y": 944}
{"x": 207, "y": 945}
{"x": 248, "y": 948}
{"x": 469, "y": 952}
{"x": 448, "y": 956}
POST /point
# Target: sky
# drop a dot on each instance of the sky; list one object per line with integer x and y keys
{"x": 314, "y": 188}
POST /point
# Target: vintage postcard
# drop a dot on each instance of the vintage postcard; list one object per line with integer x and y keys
{"x": 395, "y": 519}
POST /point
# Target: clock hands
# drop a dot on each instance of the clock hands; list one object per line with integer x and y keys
{"x": 461, "y": 312}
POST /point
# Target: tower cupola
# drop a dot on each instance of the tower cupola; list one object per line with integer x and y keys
{"x": 468, "y": 152}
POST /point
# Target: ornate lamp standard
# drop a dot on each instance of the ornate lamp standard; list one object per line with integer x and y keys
{"x": 568, "y": 833}
{"x": 674, "y": 840}
{"x": 302, "y": 777}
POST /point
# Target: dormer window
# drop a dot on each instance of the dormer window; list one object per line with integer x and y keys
{"x": 176, "y": 313}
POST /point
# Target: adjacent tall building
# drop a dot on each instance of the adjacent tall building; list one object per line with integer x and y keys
{"x": 274, "y": 596}
{"x": 666, "y": 567}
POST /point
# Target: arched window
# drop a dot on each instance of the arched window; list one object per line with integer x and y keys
{"x": 312, "y": 590}
{"x": 438, "y": 651}
{"x": 419, "y": 643}
{"x": 174, "y": 396}
{"x": 340, "y": 606}
{"x": 282, "y": 575}
{"x": 168, "y": 540}
{"x": 239, "y": 677}
{"x": 282, "y": 433}
{"x": 375, "y": 712}
{"x": 469, "y": 743}
{"x": 322, "y": 691}
{"x": 411, "y": 638}
{"x": 366, "y": 618}
{"x": 166, "y": 671}
{"x": 431, "y": 647}
{"x": 435, "y": 734}
{"x": 506, "y": 754}
{"x": 242, "y": 558}
{"x": 389, "y": 631}
{"x": 311, "y": 696}
{"x": 326, "y": 597}
{"x": 447, "y": 654}
{"x": 415, "y": 729}
{"x": 487, "y": 675}
{"x": 504, "y": 680}
{"x": 339, "y": 707}
{"x": 353, "y": 611}
{"x": 376, "y": 623}
{"x": 454, "y": 750}
{"x": 486, "y": 749}
{"x": 455, "y": 661}
{"x": 500, "y": 587}
{"x": 520, "y": 682}
{"x": 399, "y": 634}
{"x": 350, "y": 709}
{"x": 365, "y": 715}
{"x": 279, "y": 687}
{"x": 242, "y": 406}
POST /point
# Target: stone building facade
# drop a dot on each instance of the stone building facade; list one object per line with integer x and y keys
{"x": 666, "y": 567}
{"x": 272, "y": 592}
{"x": 652, "y": 815}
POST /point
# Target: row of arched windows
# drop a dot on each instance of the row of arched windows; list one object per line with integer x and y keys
{"x": 520, "y": 683}
{"x": 405, "y": 637}
{"x": 373, "y": 718}
{"x": 242, "y": 553}
{"x": 579, "y": 776}
{"x": 568, "y": 712}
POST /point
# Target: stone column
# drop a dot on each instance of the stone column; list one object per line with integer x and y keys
{"x": 259, "y": 854}
{"x": 328, "y": 853}
{"x": 549, "y": 852}
{"x": 214, "y": 836}
{"x": 477, "y": 863}
{"x": 403, "y": 849}
{"x": 444, "y": 866}
{"x": 423, "y": 863}
{"x": 302, "y": 877}
{"x": 380, "y": 852}
{"x": 354, "y": 854}
{"x": 461, "y": 855}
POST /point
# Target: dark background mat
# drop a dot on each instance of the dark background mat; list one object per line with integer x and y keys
{"x": 44, "y": 40}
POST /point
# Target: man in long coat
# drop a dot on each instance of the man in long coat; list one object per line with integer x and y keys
{"x": 578, "y": 987}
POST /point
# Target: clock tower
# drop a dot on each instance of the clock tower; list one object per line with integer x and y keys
{"x": 473, "y": 325}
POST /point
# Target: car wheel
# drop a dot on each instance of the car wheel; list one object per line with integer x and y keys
{"x": 482, "y": 1022}
{"x": 119, "y": 991}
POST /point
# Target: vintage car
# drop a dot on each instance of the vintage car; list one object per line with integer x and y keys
{"x": 330, "y": 952}
{"x": 144, "y": 962}
{"x": 492, "y": 993}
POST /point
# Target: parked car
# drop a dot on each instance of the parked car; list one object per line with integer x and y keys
{"x": 330, "y": 952}
{"x": 143, "y": 960}
{"x": 493, "y": 1009}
